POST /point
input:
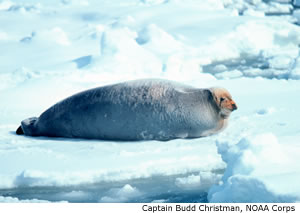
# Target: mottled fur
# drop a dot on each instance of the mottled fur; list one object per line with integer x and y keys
{"x": 135, "y": 110}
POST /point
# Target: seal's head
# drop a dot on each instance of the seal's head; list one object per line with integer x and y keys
{"x": 224, "y": 101}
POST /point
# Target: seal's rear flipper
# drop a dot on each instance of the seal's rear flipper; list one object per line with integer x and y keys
{"x": 19, "y": 131}
{"x": 28, "y": 127}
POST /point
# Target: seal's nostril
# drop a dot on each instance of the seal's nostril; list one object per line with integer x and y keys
{"x": 234, "y": 107}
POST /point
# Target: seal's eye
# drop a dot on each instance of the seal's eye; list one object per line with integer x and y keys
{"x": 222, "y": 99}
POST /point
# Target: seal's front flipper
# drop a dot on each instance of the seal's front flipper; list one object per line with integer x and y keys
{"x": 19, "y": 131}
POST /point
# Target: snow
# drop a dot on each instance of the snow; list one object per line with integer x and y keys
{"x": 204, "y": 180}
{"x": 16, "y": 200}
{"x": 253, "y": 170}
{"x": 51, "y": 50}
{"x": 118, "y": 195}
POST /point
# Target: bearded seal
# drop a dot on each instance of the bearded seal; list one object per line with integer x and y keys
{"x": 149, "y": 109}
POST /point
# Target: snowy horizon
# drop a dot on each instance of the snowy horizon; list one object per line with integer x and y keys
{"x": 53, "y": 49}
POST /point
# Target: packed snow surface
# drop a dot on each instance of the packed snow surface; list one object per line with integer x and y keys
{"x": 53, "y": 49}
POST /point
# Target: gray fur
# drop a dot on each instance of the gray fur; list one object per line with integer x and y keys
{"x": 134, "y": 110}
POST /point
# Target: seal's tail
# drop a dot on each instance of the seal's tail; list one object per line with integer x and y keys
{"x": 19, "y": 131}
{"x": 28, "y": 127}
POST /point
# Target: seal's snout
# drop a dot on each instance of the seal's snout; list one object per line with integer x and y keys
{"x": 234, "y": 107}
